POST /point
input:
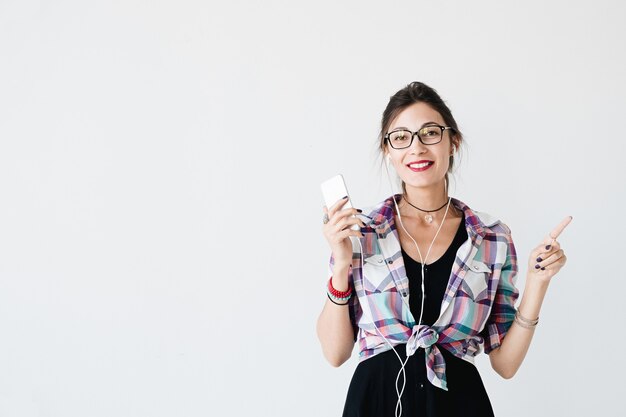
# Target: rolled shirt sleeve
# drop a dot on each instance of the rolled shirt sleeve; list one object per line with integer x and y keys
{"x": 503, "y": 308}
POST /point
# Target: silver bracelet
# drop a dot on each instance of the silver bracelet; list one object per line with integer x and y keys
{"x": 525, "y": 322}
{"x": 524, "y": 325}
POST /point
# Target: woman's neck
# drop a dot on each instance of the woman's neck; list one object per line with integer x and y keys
{"x": 426, "y": 198}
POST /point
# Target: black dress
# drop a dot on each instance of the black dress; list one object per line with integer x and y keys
{"x": 372, "y": 391}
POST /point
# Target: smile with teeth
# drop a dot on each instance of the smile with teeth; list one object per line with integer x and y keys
{"x": 420, "y": 166}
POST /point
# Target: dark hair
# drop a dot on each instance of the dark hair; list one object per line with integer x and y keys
{"x": 417, "y": 92}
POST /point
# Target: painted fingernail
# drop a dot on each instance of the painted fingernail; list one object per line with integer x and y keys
{"x": 548, "y": 247}
{"x": 543, "y": 268}
{"x": 344, "y": 197}
{"x": 537, "y": 266}
{"x": 539, "y": 259}
{"x": 359, "y": 210}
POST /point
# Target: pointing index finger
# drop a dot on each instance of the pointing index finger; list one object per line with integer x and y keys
{"x": 559, "y": 229}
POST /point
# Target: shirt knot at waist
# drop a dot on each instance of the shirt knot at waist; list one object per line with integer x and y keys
{"x": 426, "y": 337}
{"x": 422, "y": 336}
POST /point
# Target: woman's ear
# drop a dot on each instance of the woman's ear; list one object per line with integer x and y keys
{"x": 454, "y": 144}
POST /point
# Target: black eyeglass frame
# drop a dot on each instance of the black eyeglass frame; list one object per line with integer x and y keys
{"x": 413, "y": 134}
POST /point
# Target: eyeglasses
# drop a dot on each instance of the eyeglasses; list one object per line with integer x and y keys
{"x": 428, "y": 135}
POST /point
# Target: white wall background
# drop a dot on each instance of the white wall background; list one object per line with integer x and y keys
{"x": 161, "y": 250}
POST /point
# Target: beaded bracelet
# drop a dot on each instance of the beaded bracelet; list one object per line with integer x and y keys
{"x": 338, "y": 298}
{"x": 336, "y": 293}
{"x": 335, "y": 302}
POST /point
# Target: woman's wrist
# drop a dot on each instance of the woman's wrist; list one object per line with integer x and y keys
{"x": 534, "y": 285}
{"x": 532, "y": 298}
{"x": 340, "y": 276}
{"x": 342, "y": 264}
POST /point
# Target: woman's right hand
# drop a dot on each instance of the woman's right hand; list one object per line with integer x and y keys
{"x": 337, "y": 231}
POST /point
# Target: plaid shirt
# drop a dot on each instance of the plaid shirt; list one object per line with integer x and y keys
{"x": 478, "y": 305}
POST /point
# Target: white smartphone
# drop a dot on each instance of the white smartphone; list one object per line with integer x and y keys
{"x": 335, "y": 189}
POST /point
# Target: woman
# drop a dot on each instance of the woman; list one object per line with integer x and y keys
{"x": 426, "y": 283}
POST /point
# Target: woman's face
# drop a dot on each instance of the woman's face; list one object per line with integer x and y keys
{"x": 420, "y": 165}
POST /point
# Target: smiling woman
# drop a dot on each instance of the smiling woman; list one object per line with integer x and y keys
{"x": 423, "y": 299}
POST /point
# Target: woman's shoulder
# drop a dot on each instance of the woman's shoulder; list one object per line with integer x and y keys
{"x": 478, "y": 218}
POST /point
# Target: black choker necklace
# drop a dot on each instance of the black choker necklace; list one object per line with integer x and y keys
{"x": 428, "y": 217}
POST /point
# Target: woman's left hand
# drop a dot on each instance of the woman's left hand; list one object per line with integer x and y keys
{"x": 548, "y": 258}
